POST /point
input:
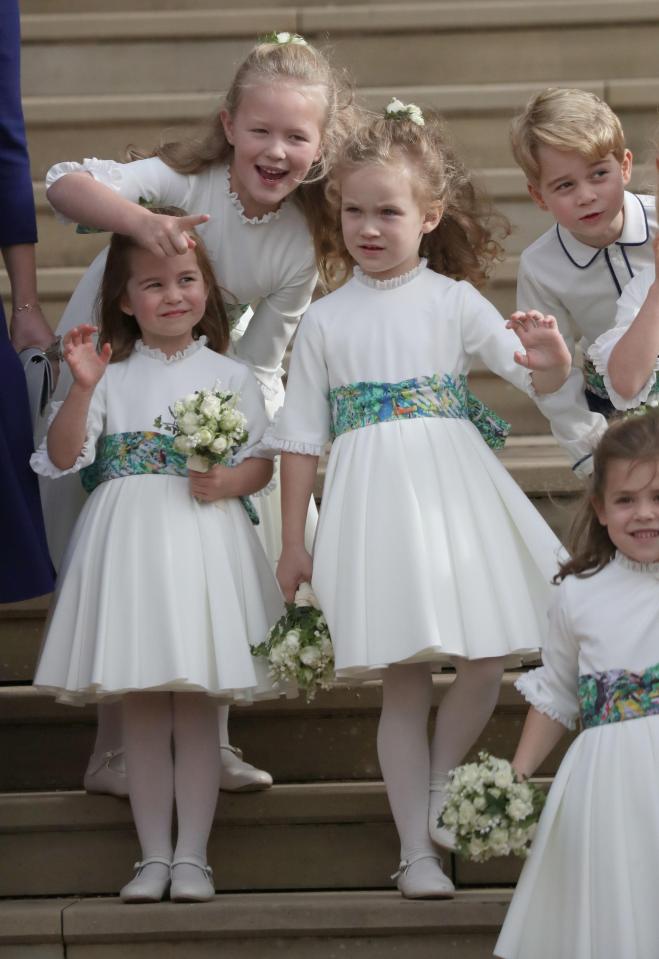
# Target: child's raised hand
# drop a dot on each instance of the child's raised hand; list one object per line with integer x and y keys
{"x": 167, "y": 235}
{"x": 545, "y": 348}
{"x": 294, "y": 567}
{"x": 87, "y": 365}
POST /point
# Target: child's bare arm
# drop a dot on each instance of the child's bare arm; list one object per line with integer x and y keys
{"x": 539, "y": 736}
{"x": 298, "y": 474}
{"x": 224, "y": 482}
{"x": 68, "y": 431}
{"x": 635, "y": 355}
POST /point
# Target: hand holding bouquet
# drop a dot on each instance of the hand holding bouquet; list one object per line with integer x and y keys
{"x": 490, "y": 812}
{"x": 299, "y": 647}
{"x": 207, "y": 427}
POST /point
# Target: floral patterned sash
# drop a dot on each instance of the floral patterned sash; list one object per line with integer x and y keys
{"x": 616, "y": 695}
{"x": 362, "y": 404}
{"x": 595, "y": 382}
{"x": 138, "y": 453}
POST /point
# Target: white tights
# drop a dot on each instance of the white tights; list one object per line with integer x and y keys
{"x": 408, "y": 765}
{"x": 158, "y": 777}
{"x": 109, "y": 731}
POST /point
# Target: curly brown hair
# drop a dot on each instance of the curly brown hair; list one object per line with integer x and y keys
{"x": 633, "y": 438}
{"x": 467, "y": 241}
{"x": 121, "y": 330}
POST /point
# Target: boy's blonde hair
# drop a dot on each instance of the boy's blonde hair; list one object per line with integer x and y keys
{"x": 466, "y": 242}
{"x": 572, "y": 120}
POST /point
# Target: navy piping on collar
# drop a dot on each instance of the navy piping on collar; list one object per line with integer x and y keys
{"x": 617, "y": 242}
{"x": 574, "y": 262}
{"x": 611, "y": 270}
{"x": 624, "y": 256}
{"x": 647, "y": 228}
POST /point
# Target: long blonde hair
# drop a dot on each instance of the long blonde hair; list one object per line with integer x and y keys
{"x": 467, "y": 241}
{"x": 273, "y": 63}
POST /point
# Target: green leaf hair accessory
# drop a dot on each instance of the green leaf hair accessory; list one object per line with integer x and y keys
{"x": 285, "y": 37}
{"x": 397, "y": 110}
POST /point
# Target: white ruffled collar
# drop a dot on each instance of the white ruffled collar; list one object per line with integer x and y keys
{"x": 155, "y": 354}
{"x": 627, "y": 563}
{"x": 393, "y": 282}
{"x": 240, "y": 209}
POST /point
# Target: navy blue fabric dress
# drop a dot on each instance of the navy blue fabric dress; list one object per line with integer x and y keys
{"x": 25, "y": 567}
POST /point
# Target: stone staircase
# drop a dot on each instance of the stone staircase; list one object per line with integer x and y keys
{"x": 302, "y": 869}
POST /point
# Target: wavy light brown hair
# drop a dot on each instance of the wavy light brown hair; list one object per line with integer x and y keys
{"x": 273, "y": 63}
{"x": 121, "y": 330}
{"x": 633, "y": 438}
{"x": 467, "y": 241}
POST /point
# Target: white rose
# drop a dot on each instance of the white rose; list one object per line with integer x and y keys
{"x": 202, "y": 437}
{"x": 283, "y": 37}
{"x": 395, "y": 105}
{"x": 466, "y": 813}
{"x": 183, "y": 444}
{"x": 210, "y": 406}
{"x": 479, "y": 802}
{"x": 503, "y": 777}
{"x": 219, "y": 444}
{"x": 276, "y": 655}
{"x": 449, "y": 816}
{"x": 305, "y": 596}
{"x": 310, "y": 656}
{"x": 190, "y": 400}
{"x": 292, "y": 640}
{"x": 517, "y": 809}
{"x": 189, "y": 423}
{"x": 476, "y": 849}
{"x": 230, "y": 419}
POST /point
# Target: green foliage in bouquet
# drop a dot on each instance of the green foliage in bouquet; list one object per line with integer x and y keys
{"x": 490, "y": 812}
{"x": 299, "y": 647}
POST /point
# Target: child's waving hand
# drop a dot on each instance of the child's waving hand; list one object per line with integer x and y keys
{"x": 546, "y": 353}
{"x": 87, "y": 365}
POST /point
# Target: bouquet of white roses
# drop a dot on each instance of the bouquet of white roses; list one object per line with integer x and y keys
{"x": 299, "y": 647}
{"x": 207, "y": 427}
{"x": 490, "y": 812}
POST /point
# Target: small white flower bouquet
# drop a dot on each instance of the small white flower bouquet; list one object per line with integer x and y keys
{"x": 207, "y": 427}
{"x": 299, "y": 647}
{"x": 490, "y": 812}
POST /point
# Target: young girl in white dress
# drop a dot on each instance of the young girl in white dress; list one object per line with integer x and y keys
{"x": 253, "y": 184}
{"x": 426, "y": 552}
{"x": 164, "y": 584}
{"x": 588, "y": 888}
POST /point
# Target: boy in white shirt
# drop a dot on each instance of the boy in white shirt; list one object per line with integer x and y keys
{"x": 571, "y": 147}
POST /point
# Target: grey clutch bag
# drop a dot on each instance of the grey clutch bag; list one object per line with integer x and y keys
{"x": 40, "y": 381}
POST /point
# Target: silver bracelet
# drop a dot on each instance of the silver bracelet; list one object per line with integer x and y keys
{"x": 26, "y": 306}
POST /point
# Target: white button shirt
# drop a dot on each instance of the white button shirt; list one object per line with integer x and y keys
{"x": 580, "y": 284}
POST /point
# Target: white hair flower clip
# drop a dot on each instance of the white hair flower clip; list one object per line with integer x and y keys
{"x": 285, "y": 37}
{"x": 397, "y": 110}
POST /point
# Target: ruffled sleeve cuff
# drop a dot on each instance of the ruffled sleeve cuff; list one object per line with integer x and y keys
{"x": 535, "y": 689}
{"x": 107, "y": 172}
{"x": 280, "y": 444}
{"x": 600, "y": 354}
{"x": 43, "y": 465}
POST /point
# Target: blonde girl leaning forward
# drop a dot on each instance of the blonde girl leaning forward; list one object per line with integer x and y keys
{"x": 252, "y": 183}
{"x": 427, "y": 552}
{"x": 162, "y": 588}
{"x": 588, "y": 888}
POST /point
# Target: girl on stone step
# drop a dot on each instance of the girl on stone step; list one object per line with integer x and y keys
{"x": 253, "y": 184}
{"x": 588, "y": 888}
{"x": 164, "y": 585}
{"x": 427, "y": 552}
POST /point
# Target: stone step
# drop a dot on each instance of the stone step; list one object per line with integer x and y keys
{"x": 333, "y": 835}
{"x": 369, "y": 924}
{"x": 99, "y": 123}
{"x": 383, "y": 44}
{"x": 46, "y": 745}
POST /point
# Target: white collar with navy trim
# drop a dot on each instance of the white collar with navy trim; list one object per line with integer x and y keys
{"x": 635, "y": 232}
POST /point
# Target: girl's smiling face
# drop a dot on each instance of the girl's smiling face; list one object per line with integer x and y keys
{"x": 382, "y": 220}
{"x": 275, "y": 133}
{"x": 167, "y": 296}
{"x": 630, "y": 508}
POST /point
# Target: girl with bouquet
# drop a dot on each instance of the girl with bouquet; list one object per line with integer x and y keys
{"x": 427, "y": 552}
{"x": 164, "y": 585}
{"x": 252, "y": 182}
{"x": 588, "y": 887}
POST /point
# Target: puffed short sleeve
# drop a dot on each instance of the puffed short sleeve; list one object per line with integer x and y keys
{"x": 303, "y": 423}
{"x": 149, "y": 179}
{"x": 552, "y": 688}
{"x": 40, "y": 460}
{"x": 630, "y": 302}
